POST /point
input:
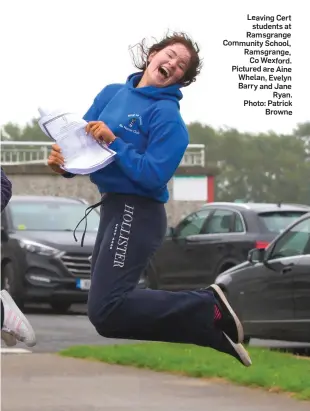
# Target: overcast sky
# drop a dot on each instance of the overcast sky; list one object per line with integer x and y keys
{"x": 60, "y": 54}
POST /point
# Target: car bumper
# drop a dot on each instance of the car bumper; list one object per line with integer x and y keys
{"x": 61, "y": 289}
{"x": 39, "y": 295}
{"x": 56, "y": 289}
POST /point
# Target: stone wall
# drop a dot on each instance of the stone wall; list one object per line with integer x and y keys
{"x": 39, "y": 180}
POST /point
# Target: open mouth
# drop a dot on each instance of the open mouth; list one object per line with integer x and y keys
{"x": 163, "y": 71}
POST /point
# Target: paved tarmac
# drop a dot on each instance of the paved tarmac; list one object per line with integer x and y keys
{"x": 36, "y": 382}
{"x": 56, "y": 332}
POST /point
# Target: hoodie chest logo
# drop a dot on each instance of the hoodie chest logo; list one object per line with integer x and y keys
{"x": 133, "y": 123}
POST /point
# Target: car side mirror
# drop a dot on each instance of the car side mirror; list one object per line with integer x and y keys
{"x": 4, "y": 235}
{"x": 257, "y": 255}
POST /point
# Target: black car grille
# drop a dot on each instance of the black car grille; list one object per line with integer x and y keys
{"x": 77, "y": 264}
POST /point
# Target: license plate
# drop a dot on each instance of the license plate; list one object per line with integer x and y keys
{"x": 83, "y": 284}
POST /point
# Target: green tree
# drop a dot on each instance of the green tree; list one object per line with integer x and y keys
{"x": 267, "y": 167}
{"x": 11, "y": 131}
{"x": 303, "y": 132}
{"x": 31, "y": 132}
{"x": 257, "y": 167}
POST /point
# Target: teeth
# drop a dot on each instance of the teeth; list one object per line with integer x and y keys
{"x": 164, "y": 71}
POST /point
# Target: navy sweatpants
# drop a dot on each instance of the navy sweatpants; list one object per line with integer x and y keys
{"x": 131, "y": 230}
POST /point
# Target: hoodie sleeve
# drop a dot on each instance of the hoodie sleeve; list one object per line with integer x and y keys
{"x": 100, "y": 101}
{"x": 167, "y": 143}
{"x": 94, "y": 111}
{"x": 6, "y": 190}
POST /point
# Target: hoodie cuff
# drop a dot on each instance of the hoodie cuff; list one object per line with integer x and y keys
{"x": 68, "y": 175}
{"x": 117, "y": 145}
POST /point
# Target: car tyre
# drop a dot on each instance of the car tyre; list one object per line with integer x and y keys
{"x": 151, "y": 279}
{"x": 11, "y": 283}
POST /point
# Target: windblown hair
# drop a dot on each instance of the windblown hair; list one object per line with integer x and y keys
{"x": 141, "y": 57}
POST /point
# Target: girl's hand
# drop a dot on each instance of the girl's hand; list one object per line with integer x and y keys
{"x": 55, "y": 160}
{"x": 100, "y": 131}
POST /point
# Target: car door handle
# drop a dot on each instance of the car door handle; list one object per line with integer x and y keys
{"x": 287, "y": 269}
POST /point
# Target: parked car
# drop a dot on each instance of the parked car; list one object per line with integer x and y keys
{"x": 271, "y": 291}
{"x": 215, "y": 238}
{"x": 40, "y": 260}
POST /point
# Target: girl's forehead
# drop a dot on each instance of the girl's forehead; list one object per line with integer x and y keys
{"x": 180, "y": 50}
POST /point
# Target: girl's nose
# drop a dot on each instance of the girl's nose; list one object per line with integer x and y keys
{"x": 172, "y": 63}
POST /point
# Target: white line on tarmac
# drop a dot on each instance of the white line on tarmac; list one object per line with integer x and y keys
{"x": 14, "y": 351}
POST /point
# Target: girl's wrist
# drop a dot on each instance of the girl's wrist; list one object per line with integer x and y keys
{"x": 111, "y": 140}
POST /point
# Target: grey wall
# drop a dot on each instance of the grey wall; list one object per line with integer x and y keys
{"x": 39, "y": 180}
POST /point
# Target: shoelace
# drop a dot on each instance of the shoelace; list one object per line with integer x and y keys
{"x": 87, "y": 212}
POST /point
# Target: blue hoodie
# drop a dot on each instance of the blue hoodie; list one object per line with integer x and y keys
{"x": 152, "y": 137}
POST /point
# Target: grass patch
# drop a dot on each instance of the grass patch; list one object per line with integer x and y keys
{"x": 271, "y": 370}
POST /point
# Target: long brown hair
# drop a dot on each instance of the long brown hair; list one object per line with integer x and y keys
{"x": 140, "y": 58}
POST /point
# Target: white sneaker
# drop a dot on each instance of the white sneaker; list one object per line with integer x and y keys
{"x": 8, "y": 338}
{"x": 238, "y": 351}
{"x": 15, "y": 324}
{"x": 229, "y": 323}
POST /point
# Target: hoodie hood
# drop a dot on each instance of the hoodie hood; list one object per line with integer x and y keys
{"x": 172, "y": 92}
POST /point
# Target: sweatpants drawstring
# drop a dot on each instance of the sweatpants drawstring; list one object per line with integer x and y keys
{"x": 87, "y": 212}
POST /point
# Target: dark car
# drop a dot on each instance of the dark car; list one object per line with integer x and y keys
{"x": 271, "y": 291}
{"x": 214, "y": 239}
{"x": 40, "y": 260}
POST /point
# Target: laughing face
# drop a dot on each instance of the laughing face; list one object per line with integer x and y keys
{"x": 167, "y": 66}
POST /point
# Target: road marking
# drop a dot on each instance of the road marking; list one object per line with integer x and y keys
{"x": 14, "y": 351}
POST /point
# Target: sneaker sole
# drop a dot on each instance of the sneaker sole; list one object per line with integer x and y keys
{"x": 10, "y": 340}
{"x": 9, "y": 300}
{"x": 241, "y": 351}
{"x": 224, "y": 301}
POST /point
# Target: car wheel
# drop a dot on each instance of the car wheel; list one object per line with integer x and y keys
{"x": 60, "y": 307}
{"x": 11, "y": 284}
{"x": 151, "y": 280}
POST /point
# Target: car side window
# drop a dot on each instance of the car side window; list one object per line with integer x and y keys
{"x": 221, "y": 222}
{"x": 294, "y": 242}
{"x": 192, "y": 224}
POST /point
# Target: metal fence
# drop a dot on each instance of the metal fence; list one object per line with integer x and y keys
{"x": 37, "y": 152}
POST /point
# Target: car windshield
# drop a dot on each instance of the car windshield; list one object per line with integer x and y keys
{"x": 51, "y": 216}
{"x": 278, "y": 221}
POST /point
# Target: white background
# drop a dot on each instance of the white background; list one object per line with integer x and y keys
{"x": 62, "y": 53}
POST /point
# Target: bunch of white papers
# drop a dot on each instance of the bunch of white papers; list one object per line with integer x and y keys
{"x": 82, "y": 153}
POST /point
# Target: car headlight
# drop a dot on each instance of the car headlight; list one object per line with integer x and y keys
{"x": 38, "y": 248}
